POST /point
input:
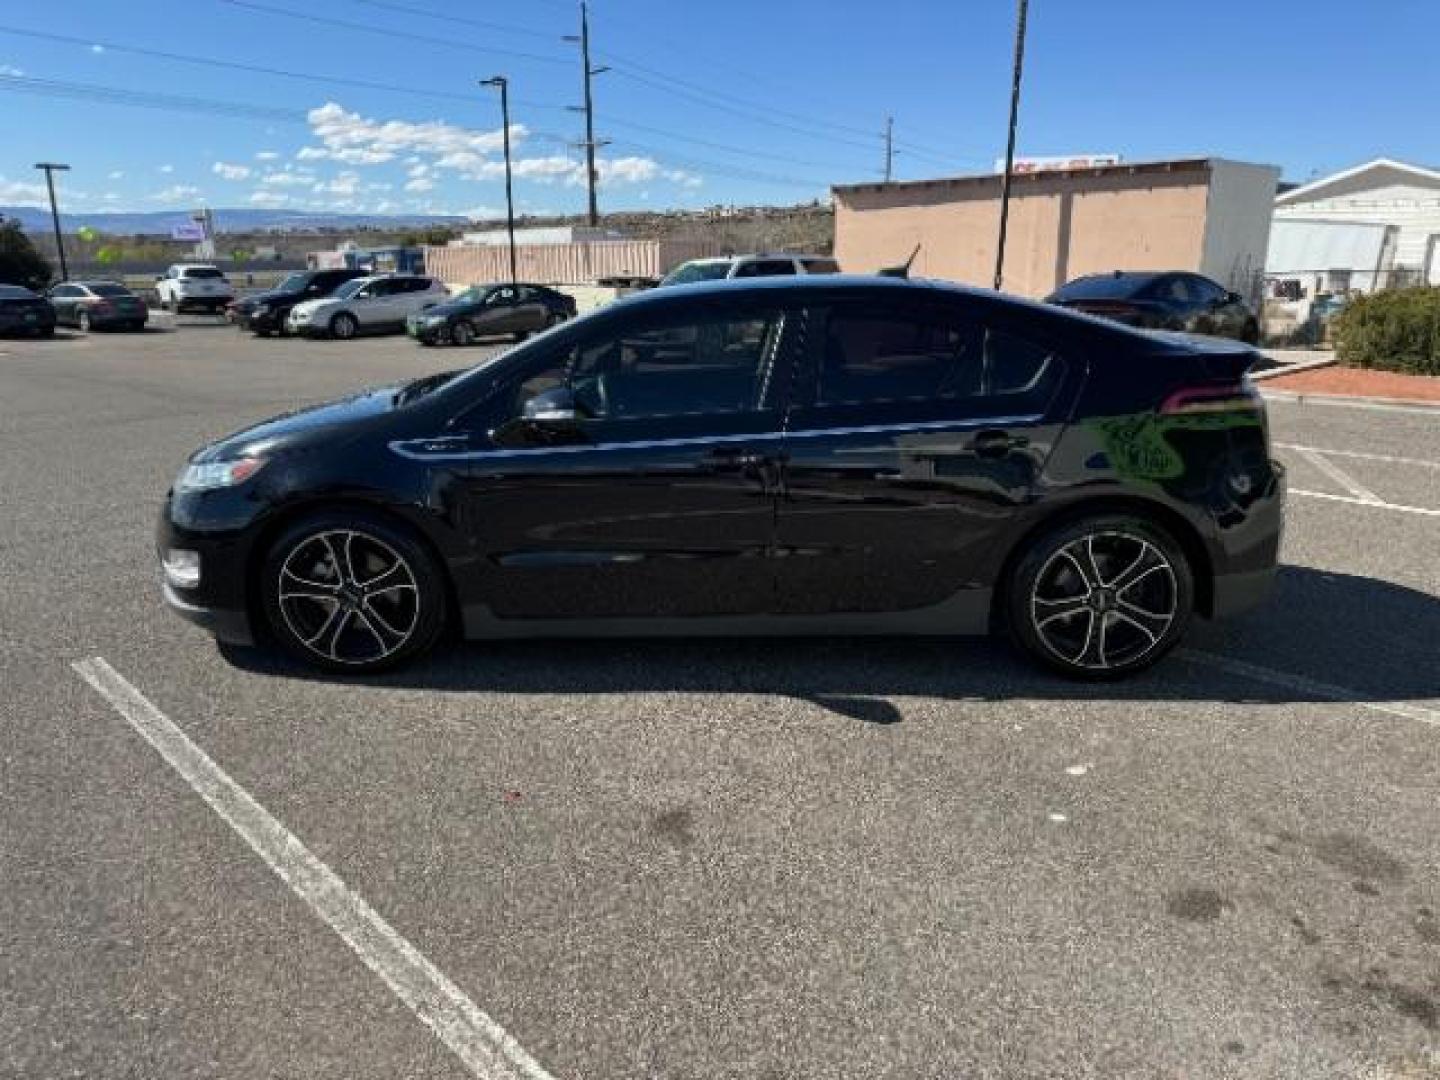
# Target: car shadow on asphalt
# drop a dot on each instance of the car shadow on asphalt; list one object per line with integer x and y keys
{"x": 1322, "y": 637}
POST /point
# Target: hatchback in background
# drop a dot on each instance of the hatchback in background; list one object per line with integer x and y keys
{"x": 1155, "y": 300}
{"x": 98, "y": 305}
{"x": 265, "y": 313}
{"x": 25, "y": 312}
{"x": 814, "y": 455}
{"x": 379, "y": 304}
{"x": 749, "y": 266}
{"x": 491, "y": 311}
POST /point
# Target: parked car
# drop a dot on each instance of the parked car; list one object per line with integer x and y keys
{"x": 813, "y": 455}
{"x": 749, "y": 266}
{"x": 1162, "y": 301}
{"x": 491, "y": 311}
{"x": 194, "y": 287}
{"x": 25, "y": 312}
{"x": 94, "y": 305}
{"x": 377, "y": 304}
{"x": 265, "y": 313}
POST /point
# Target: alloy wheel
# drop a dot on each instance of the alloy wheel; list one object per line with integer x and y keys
{"x": 1104, "y": 600}
{"x": 343, "y": 326}
{"x": 461, "y": 334}
{"x": 349, "y": 597}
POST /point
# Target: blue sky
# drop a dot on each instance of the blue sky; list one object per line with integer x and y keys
{"x": 742, "y": 101}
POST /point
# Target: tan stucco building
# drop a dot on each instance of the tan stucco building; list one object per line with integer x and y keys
{"x": 1203, "y": 214}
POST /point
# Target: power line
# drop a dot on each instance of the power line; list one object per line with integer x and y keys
{"x": 255, "y": 69}
{"x": 722, "y": 169}
{"x": 144, "y": 99}
{"x": 424, "y": 39}
{"x": 504, "y": 28}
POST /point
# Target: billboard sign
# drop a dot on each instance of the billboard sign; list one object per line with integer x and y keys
{"x": 1059, "y": 162}
{"x": 192, "y": 231}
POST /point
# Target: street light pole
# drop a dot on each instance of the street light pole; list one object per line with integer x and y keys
{"x": 51, "y": 168}
{"x": 504, "y": 84}
{"x": 1010, "y": 141}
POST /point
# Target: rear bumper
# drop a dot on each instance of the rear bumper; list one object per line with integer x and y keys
{"x": 212, "y": 304}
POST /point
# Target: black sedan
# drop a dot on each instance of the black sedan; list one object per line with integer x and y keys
{"x": 785, "y": 456}
{"x": 1162, "y": 301}
{"x": 24, "y": 312}
{"x": 265, "y": 313}
{"x": 98, "y": 305}
{"x": 491, "y": 311}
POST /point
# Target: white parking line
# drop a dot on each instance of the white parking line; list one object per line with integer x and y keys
{"x": 1359, "y": 454}
{"x": 1339, "y": 475}
{"x": 1371, "y": 503}
{"x": 1310, "y": 687}
{"x": 487, "y": 1049}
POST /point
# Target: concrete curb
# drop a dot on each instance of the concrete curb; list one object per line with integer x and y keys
{"x": 1291, "y": 369}
{"x": 1416, "y": 404}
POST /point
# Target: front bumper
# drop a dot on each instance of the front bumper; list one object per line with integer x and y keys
{"x": 231, "y": 627}
{"x": 430, "y": 334}
{"x": 219, "y": 602}
{"x": 256, "y": 322}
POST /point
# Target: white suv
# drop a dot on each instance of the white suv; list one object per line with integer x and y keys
{"x": 194, "y": 287}
{"x": 749, "y": 266}
{"x": 368, "y": 305}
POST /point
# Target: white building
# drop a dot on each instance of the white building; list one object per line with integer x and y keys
{"x": 1382, "y": 192}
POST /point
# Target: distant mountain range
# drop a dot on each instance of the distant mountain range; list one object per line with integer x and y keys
{"x": 235, "y": 220}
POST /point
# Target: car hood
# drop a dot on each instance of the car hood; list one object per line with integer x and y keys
{"x": 295, "y": 430}
{"x": 453, "y": 307}
{"x": 270, "y": 296}
{"x": 318, "y": 305}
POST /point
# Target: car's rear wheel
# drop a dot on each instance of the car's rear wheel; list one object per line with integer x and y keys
{"x": 462, "y": 333}
{"x": 1101, "y": 597}
{"x": 351, "y": 592}
{"x": 343, "y": 326}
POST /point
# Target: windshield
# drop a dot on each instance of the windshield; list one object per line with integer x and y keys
{"x": 202, "y": 272}
{"x": 686, "y": 273}
{"x": 349, "y": 289}
{"x": 293, "y": 283}
{"x": 110, "y": 290}
{"x": 473, "y": 295}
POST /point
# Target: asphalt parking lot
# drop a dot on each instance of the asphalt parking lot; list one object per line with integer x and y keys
{"x": 814, "y": 858}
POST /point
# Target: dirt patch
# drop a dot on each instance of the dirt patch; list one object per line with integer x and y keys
{"x": 1358, "y": 382}
{"x": 1197, "y": 905}
{"x": 1359, "y": 857}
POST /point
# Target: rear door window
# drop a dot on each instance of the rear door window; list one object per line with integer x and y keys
{"x": 877, "y": 354}
{"x": 765, "y": 268}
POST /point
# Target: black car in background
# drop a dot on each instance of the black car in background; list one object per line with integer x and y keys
{"x": 25, "y": 312}
{"x": 97, "y": 305}
{"x": 265, "y": 313}
{"x": 1161, "y": 301}
{"x": 491, "y": 311}
{"x": 806, "y": 455}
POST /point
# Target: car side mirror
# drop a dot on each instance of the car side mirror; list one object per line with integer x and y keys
{"x": 555, "y": 406}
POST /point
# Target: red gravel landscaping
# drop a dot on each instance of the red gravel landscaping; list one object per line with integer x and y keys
{"x": 1358, "y": 382}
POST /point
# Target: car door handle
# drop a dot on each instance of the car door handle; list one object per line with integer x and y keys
{"x": 996, "y": 443}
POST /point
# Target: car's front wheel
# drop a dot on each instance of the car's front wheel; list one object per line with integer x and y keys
{"x": 352, "y": 592}
{"x": 343, "y": 326}
{"x": 1100, "y": 597}
{"x": 462, "y": 333}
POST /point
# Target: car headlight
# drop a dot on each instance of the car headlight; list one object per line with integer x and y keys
{"x": 432, "y": 320}
{"x": 260, "y": 309}
{"x": 217, "y": 474}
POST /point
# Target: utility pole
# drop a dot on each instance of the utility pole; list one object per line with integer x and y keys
{"x": 588, "y": 108}
{"x": 504, "y": 84}
{"x": 51, "y": 168}
{"x": 1023, "y": 11}
{"x": 889, "y": 148}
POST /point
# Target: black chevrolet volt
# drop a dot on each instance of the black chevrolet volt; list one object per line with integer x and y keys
{"x": 783, "y": 456}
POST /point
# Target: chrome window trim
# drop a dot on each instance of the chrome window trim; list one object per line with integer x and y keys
{"x": 414, "y": 448}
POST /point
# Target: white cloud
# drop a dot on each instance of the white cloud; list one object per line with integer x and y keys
{"x": 22, "y": 193}
{"x": 110, "y": 196}
{"x": 267, "y": 155}
{"x": 417, "y": 170}
{"x": 380, "y": 187}
{"x": 683, "y": 178}
{"x": 343, "y": 132}
{"x": 288, "y": 178}
{"x": 11, "y": 71}
{"x": 230, "y": 172}
{"x": 420, "y": 183}
{"x": 167, "y": 168}
{"x": 269, "y": 198}
{"x": 175, "y": 193}
{"x": 117, "y": 175}
{"x": 97, "y": 49}
{"x": 345, "y": 184}
{"x": 383, "y": 206}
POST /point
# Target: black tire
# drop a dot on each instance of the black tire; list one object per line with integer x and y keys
{"x": 1054, "y": 604}
{"x": 362, "y": 630}
{"x": 82, "y": 321}
{"x": 343, "y": 326}
{"x": 1250, "y": 333}
{"x": 462, "y": 333}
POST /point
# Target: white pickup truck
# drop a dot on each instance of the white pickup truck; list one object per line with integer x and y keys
{"x": 194, "y": 287}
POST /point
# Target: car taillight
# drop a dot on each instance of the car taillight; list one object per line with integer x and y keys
{"x": 1213, "y": 398}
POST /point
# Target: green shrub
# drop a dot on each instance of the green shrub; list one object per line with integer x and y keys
{"x": 1394, "y": 330}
